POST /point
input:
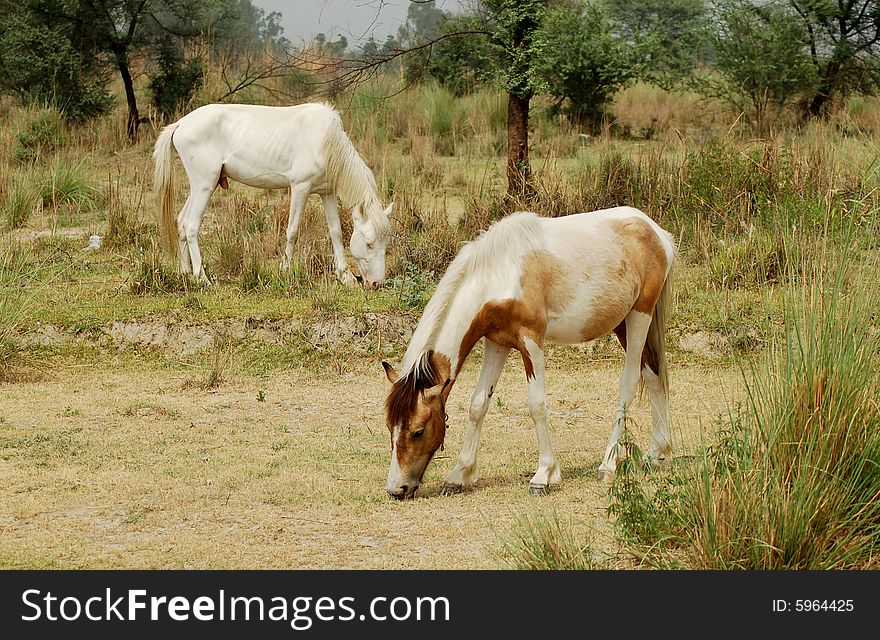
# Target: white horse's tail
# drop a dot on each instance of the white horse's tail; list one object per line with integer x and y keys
{"x": 163, "y": 183}
{"x": 655, "y": 344}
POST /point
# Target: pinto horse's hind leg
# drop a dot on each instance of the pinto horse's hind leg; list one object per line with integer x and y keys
{"x": 661, "y": 444}
{"x": 637, "y": 324}
{"x": 548, "y": 467}
{"x": 464, "y": 473}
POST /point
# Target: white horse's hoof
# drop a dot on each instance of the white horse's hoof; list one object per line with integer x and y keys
{"x": 347, "y": 278}
{"x": 605, "y": 476}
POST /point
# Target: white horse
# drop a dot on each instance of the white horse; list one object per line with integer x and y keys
{"x": 526, "y": 280}
{"x": 302, "y": 147}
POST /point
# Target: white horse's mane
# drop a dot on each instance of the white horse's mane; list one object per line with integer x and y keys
{"x": 352, "y": 178}
{"x": 492, "y": 255}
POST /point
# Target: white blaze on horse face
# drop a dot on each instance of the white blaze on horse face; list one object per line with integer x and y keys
{"x": 398, "y": 484}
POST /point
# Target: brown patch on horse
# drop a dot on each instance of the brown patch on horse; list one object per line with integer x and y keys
{"x": 644, "y": 252}
{"x": 509, "y": 322}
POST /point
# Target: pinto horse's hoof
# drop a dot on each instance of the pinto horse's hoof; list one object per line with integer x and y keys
{"x": 451, "y": 489}
{"x": 605, "y": 476}
{"x": 538, "y": 489}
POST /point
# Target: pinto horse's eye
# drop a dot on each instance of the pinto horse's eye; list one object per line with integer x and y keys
{"x": 418, "y": 433}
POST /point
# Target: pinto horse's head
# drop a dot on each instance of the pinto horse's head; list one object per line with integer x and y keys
{"x": 416, "y": 417}
{"x": 369, "y": 241}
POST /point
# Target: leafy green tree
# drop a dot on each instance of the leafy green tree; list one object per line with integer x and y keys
{"x": 175, "y": 80}
{"x": 843, "y": 38}
{"x": 582, "y": 62}
{"x": 49, "y": 61}
{"x": 461, "y": 63}
{"x": 667, "y": 35}
{"x": 759, "y": 59}
{"x": 512, "y": 26}
{"x": 73, "y": 44}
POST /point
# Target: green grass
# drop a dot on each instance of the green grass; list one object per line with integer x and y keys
{"x": 541, "y": 541}
{"x": 792, "y": 480}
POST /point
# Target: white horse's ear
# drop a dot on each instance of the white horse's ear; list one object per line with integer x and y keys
{"x": 392, "y": 374}
{"x": 356, "y": 214}
{"x": 389, "y": 210}
{"x": 436, "y": 390}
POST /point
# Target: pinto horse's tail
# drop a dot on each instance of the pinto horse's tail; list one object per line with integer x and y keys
{"x": 163, "y": 183}
{"x": 655, "y": 344}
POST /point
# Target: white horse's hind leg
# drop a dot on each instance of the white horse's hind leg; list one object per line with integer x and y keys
{"x": 331, "y": 212}
{"x": 637, "y": 324}
{"x": 182, "y": 245}
{"x": 465, "y": 471}
{"x": 661, "y": 444}
{"x": 299, "y": 194}
{"x": 548, "y": 468}
{"x": 192, "y": 222}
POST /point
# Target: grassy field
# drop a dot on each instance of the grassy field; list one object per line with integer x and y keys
{"x": 147, "y": 421}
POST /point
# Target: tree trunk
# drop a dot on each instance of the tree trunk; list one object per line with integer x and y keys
{"x": 131, "y": 99}
{"x": 518, "y": 172}
{"x": 819, "y": 104}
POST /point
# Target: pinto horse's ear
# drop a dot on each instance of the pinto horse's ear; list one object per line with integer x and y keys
{"x": 390, "y": 372}
{"x": 436, "y": 390}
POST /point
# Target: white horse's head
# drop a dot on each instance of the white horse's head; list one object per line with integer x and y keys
{"x": 368, "y": 245}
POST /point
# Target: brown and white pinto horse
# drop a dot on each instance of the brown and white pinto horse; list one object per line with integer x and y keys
{"x": 525, "y": 280}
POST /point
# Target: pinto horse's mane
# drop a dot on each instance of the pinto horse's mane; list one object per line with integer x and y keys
{"x": 401, "y": 401}
{"x": 491, "y": 256}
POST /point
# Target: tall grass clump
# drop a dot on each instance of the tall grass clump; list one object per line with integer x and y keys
{"x": 541, "y": 542}
{"x": 64, "y": 190}
{"x": 67, "y": 188}
{"x": 20, "y": 280}
{"x": 21, "y": 200}
{"x": 152, "y": 275}
{"x": 793, "y": 480}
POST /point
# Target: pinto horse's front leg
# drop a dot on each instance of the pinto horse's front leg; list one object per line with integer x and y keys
{"x": 548, "y": 467}
{"x": 464, "y": 474}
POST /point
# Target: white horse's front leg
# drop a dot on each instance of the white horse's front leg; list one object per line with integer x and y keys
{"x": 464, "y": 473}
{"x": 331, "y": 212}
{"x": 548, "y": 467}
{"x": 637, "y": 324}
{"x": 299, "y": 194}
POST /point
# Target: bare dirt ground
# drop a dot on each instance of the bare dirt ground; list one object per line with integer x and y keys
{"x": 136, "y": 469}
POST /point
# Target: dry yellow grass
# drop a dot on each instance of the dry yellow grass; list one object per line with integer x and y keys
{"x": 135, "y": 469}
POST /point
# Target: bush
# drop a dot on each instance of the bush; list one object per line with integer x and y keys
{"x": 581, "y": 63}
{"x": 175, "y": 81}
{"x": 793, "y": 480}
{"x": 43, "y": 134}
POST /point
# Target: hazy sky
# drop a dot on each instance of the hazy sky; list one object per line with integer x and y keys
{"x": 355, "y": 19}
